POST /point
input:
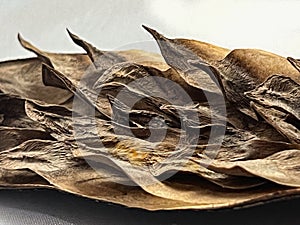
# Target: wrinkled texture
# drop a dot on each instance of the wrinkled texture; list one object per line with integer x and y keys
{"x": 201, "y": 127}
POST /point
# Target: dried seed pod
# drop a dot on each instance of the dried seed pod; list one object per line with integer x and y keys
{"x": 207, "y": 53}
{"x": 281, "y": 167}
{"x": 237, "y": 71}
{"x": 74, "y": 176}
{"x": 243, "y": 69}
{"x": 108, "y": 138}
{"x": 105, "y": 59}
{"x": 125, "y": 143}
{"x": 23, "y": 78}
{"x": 277, "y": 101}
{"x": 186, "y": 62}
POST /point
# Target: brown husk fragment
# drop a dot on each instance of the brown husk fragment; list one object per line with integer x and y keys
{"x": 64, "y": 125}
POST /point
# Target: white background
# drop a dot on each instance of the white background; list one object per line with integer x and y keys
{"x": 273, "y": 25}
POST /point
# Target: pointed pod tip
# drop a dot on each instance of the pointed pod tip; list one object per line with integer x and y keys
{"x": 145, "y": 27}
{"x": 150, "y": 30}
{"x": 20, "y": 38}
{"x": 154, "y": 33}
{"x": 72, "y": 36}
{"x": 22, "y": 41}
{"x": 76, "y": 39}
{"x": 68, "y": 31}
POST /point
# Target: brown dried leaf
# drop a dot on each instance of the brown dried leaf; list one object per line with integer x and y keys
{"x": 188, "y": 64}
{"x": 281, "y": 167}
{"x": 277, "y": 101}
{"x": 94, "y": 155}
{"x": 129, "y": 149}
{"x": 54, "y": 162}
{"x": 105, "y": 59}
{"x": 23, "y": 78}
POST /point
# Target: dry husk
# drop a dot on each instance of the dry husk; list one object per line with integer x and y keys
{"x": 257, "y": 151}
